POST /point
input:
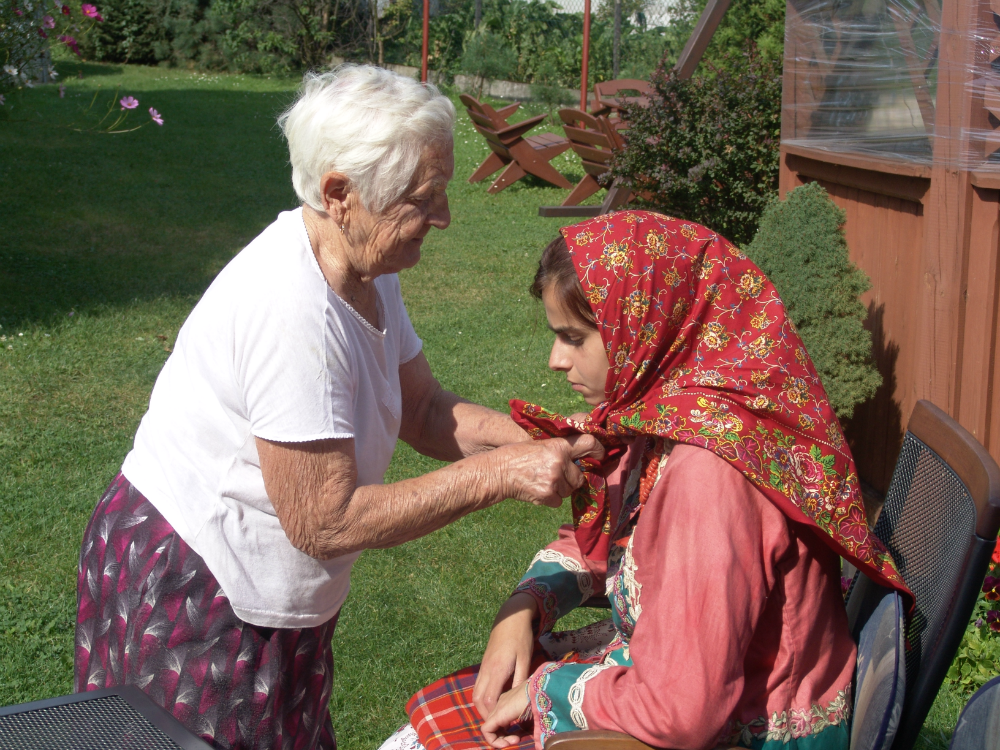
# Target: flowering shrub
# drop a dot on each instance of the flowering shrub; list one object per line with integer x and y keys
{"x": 978, "y": 658}
{"x": 706, "y": 149}
{"x": 28, "y": 27}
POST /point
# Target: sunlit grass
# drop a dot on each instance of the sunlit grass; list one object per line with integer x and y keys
{"x": 106, "y": 242}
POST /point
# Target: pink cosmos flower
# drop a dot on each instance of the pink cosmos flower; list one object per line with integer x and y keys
{"x": 91, "y": 12}
{"x": 71, "y": 43}
{"x": 157, "y": 117}
{"x": 129, "y": 102}
{"x": 48, "y": 22}
{"x": 42, "y": 34}
{"x": 18, "y": 11}
{"x": 65, "y": 10}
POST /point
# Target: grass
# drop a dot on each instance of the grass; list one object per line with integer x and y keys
{"x": 106, "y": 244}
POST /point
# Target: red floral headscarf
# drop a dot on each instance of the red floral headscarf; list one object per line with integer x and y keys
{"x": 702, "y": 352}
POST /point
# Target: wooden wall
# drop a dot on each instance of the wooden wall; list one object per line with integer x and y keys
{"x": 887, "y": 233}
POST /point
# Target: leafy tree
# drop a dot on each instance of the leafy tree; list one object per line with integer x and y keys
{"x": 801, "y": 247}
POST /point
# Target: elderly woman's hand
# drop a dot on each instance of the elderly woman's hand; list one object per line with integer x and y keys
{"x": 543, "y": 472}
{"x": 313, "y": 488}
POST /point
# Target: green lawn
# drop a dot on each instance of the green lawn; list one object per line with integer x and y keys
{"x": 106, "y": 242}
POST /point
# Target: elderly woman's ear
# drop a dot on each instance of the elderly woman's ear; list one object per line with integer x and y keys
{"x": 335, "y": 191}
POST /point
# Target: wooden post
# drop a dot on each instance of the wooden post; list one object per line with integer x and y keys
{"x": 697, "y": 43}
{"x": 426, "y": 31}
{"x": 948, "y": 212}
{"x": 584, "y": 74}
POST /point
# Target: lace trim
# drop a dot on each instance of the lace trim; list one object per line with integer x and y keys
{"x": 579, "y": 687}
{"x": 584, "y": 579}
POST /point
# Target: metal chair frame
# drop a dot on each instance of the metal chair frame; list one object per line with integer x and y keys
{"x": 156, "y": 716}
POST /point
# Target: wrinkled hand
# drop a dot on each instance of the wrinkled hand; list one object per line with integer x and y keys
{"x": 507, "y": 659}
{"x": 511, "y": 706}
{"x": 543, "y": 472}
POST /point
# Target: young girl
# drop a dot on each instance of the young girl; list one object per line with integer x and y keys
{"x": 714, "y": 524}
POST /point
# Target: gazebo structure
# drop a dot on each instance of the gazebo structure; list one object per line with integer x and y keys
{"x": 894, "y": 107}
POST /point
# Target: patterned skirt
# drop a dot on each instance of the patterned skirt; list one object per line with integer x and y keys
{"x": 151, "y": 614}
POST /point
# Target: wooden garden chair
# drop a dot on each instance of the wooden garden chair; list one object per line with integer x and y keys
{"x": 611, "y": 97}
{"x": 940, "y": 522}
{"x": 594, "y": 140}
{"x": 511, "y": 149}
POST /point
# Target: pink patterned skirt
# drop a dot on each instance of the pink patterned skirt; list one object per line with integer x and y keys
{"x": 151, "y": 614}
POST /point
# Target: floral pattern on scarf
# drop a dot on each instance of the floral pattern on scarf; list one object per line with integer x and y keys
{"x": 702, "y": 352}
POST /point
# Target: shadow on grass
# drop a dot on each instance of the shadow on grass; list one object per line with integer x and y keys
{"x": 93, "y": 220}
{"x": 71, "y": 68}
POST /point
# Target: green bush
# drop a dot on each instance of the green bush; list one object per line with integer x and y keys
{"x": 706, "y": 148}
{"x": 801, "y": 247}
{"x": 133, "y": 30}
{"x": 487, "y": 57}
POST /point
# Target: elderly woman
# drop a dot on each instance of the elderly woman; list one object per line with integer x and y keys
{"x": 215, "y": 565}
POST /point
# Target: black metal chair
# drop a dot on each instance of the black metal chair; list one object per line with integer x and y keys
{"x": 121, "y": 718}
{"x": 978, "y": 727}
{"x": 940, "y": 522}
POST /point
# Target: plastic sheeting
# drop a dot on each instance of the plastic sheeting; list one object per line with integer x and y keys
{"x": 861, "y": 76}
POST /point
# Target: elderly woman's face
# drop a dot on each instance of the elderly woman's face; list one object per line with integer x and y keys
{"x": 395, "y": 236}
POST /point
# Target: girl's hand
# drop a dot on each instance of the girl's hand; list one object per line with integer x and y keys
{"x": 507, "y": 660}
{"x": 512, "y": 707}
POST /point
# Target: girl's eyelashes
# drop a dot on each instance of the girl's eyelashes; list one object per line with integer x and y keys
{"x": 571, "y": 340}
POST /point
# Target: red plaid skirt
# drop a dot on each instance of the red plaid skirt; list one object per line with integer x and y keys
{"x": 445, "y": 719}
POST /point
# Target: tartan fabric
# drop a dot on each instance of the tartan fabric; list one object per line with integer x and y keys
{"x": 151, "y": 614}
{"x": 444, "y": 717}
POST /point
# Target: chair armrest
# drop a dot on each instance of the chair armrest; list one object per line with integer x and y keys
{"x": 594, "y": 740}
{"x": 518, "y": 129}
{"x": 508, "y": 110}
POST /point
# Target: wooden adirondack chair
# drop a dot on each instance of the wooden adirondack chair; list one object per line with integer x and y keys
{"x": 594, "y": 140}
{"x": 611, "y": 96}
{"x": 511, "y": 149}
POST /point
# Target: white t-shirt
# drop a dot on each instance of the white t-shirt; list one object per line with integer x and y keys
{"x": 270, "y": 351}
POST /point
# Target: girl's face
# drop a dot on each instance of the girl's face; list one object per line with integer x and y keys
{"x": 577, "y": 351}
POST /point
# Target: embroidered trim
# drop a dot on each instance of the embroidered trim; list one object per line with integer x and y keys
{"x": 584, "y": 579}
{"x": 547, "y": 601}
{"x": 577, "y": 690}
{"x": 794, "y": 723}
{"x": 543, "y": 704}
{"x": 628, "y": 591}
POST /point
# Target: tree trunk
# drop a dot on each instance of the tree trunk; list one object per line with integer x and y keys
{"x": 618, "y": 38}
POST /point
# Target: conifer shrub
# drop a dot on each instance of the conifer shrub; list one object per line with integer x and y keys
{"x": 801, "y": 247}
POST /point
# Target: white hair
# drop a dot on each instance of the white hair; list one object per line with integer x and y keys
{"x": 370, "y": 124}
